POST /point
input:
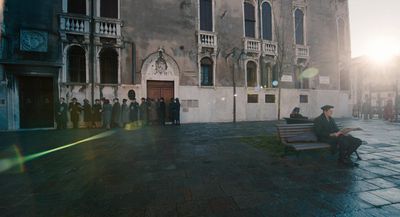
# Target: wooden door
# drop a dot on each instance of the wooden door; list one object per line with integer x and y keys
{"x": 158, "y": 89}
{"x": 36, "y": 102}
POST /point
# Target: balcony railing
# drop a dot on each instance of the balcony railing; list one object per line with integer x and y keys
{"x": 302, "y": 51}
{"x": 108, "y": 27}
{"x": 74, "y": 24}
{"x": 207, "y": 39}
{"x": 270, "y": 48}
{"x": 252, "y": 45}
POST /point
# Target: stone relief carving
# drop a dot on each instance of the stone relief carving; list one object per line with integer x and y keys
{"x": 31, "y": 40}
{"x": 160, "y": 65}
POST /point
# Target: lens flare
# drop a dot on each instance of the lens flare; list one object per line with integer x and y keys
{"x": 8, "y": 163}
{"x": 309, "y": 73}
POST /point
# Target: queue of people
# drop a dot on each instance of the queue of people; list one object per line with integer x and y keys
{"x": 103, "y": 114}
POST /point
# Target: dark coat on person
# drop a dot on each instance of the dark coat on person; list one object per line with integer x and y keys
{"x": 116, "y": 114}
{"x": 124, "y": 113}
{"x": 96, "y": 112}
{"x": 61, "y": 115}
{"x": 107, "y": 111}
{"x": 324, "y": 127}
{"x": 347, "y": 143}
{"x": 75, "y": 110}
{"x": 87, "y": 112}
{"x": 143, "y": 111}
{"x": 134, "y": 111}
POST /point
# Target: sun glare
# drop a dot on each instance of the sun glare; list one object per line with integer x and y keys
{"x": 383, "y": 49}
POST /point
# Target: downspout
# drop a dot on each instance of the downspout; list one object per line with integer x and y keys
{"x": 133, "y": 47}
{"x": 91, "y": 49}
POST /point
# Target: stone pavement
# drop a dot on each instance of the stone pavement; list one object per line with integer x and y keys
{"x": 196, "y": 170}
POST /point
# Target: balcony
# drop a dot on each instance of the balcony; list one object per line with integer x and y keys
{"x": 252, "y": 45}
{"x": 74, "y": 24}
{"x": 269, "y": 48}
{"x": 105, "y": 27}
{"x": 302, "y": 52}
{"x": 207, "y": 39}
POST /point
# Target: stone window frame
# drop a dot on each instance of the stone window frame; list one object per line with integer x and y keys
{"x": 257, "y": 73}
{"x": 210, "y": 84}
{"x": 64, "y": 77}
{"x": 118, "y": 52}
{"x": 68, "y": 75}
{"x": 212, "y": 14}
{"x": 303, "y": 9}
{"x": 256, "y": 24}
{"x": 98, "y": 10}
{"x": 272, "y": 20}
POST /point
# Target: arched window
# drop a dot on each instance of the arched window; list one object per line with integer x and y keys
{"x": 249, "y": 20}
{"x": 109, "y": 8}
{"x": 77, "y": 6}
{"x": 266, "y": 75}
{"x": 299, "y": 26}
{"x": 266, "y": 21}
{"x": 108, "y": 66}
{"x": 206, "y": 15}
{"x": 206, "y": 66}
{"x": 341, "y": 34}
{"x": 251, "y": 70}
{"x": 76, "y": 64}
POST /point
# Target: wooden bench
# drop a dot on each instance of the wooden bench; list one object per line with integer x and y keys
{"x": 288, "y": 132}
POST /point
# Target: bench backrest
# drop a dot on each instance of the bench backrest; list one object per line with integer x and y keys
{"x": 290, "y": 130}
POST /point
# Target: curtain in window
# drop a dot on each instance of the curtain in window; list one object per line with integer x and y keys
{"x": 266, "y": 21}
{"x": 299, "y": 26}
{"x": 77, "y": 6}
{"x": 109, "y": 8}
{"x": 76, "y": 64}
{"x": 108, "y": 66}
{"x": 249, "y": 20}
{"x": 206, "y": 17}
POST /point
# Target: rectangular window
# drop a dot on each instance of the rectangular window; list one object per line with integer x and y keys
{"x": 252, "y": 98}
{"x": 303, "y": 98}
{"x": 206, "y": 18}
{"x": 269, "y": 98}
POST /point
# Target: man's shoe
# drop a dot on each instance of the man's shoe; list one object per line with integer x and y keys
{"x": 347, "y": 163}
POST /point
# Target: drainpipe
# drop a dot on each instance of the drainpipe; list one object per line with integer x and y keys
{"x": 91, "y": 48}
{"x": 133, "y": 47}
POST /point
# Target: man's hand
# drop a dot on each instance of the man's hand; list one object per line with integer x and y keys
{"x": 337, "y": 134}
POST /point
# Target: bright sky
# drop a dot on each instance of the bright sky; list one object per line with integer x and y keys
{"x": 374, "y": 27}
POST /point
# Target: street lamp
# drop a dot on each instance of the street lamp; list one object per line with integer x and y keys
{"x": 275, "y": 84}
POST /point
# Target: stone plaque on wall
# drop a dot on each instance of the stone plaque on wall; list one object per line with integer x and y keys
{"x": 33, "y": 40}
{"x": 324, "y": 80}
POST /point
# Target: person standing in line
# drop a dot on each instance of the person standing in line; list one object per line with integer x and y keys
{"x": 143, "y": 112}
{"x": 87, "y": 113}
{"x": 61, "y": 117}
{"x": 97, "y": 114}
{"x": 116, "y": 114}
{"x": 161, "y": 111}
{"x": 153, "y": 112}
{"x": 177, "y": 110}
{"x": 171, "y": 108}
{"x": 124, "y": 112}
{"x": 107, "y": 112}
{"x": 75, "y": 111}
{"x": 134, "y": 111}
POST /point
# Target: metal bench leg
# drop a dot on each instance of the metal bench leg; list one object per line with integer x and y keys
{"x": 358, "y": 156}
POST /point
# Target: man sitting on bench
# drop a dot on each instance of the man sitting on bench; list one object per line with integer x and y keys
{"x": 327, "y": 131}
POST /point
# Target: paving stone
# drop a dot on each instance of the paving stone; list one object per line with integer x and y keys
{"x": 381, "y": 182}
{"x": 373, "y": 199}
{"x": 197, "y": 170}
{"x": 389, "y": 194}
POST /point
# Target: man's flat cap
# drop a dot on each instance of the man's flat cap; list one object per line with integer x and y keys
{"x": 326, "y": 107}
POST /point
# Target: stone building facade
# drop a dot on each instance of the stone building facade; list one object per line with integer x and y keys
{"x": 242, "y": 60}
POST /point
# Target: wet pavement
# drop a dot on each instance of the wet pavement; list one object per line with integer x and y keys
{"x": 194, "y": 170}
